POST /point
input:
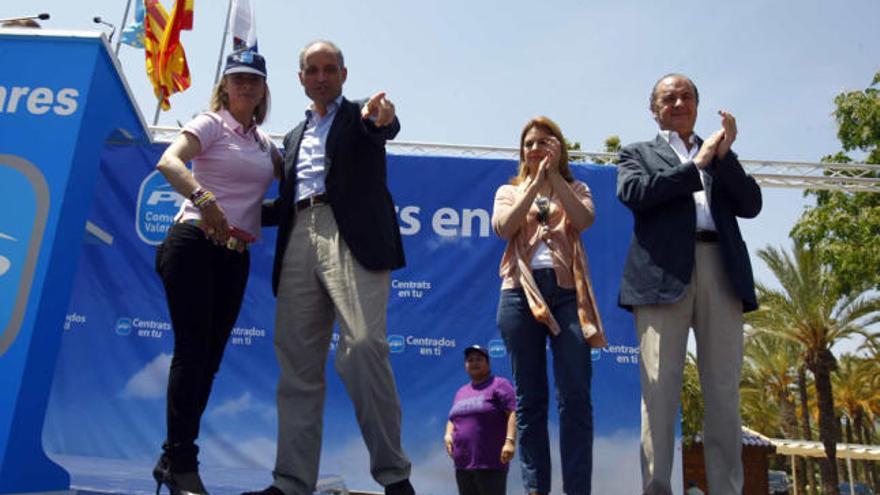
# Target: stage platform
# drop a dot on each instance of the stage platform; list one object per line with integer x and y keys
{"x": 94, "y": 475}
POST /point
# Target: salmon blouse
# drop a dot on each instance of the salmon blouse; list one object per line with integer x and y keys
{"x": 567, "y": 252}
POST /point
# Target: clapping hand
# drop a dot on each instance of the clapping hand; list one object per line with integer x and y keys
{"x": 728, "y": 125}
{"x": 708, "y": 149}
{"x": 719, "y": 142}
{"x": 550, "y": 162}
{"x": 380, "y": 109}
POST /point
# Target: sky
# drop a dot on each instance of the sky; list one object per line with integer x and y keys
{"x": 473, "y": 72}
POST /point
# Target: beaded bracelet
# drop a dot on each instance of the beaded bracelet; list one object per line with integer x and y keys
{"x": 197, "y": 192}
{"x": 206, "y": 201}
{"x": 202, "y": 198}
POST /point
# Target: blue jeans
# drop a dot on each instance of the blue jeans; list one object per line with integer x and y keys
{"x": 526, "y": 341}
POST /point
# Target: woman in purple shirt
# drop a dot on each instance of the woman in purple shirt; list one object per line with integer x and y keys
{"x": 204, "y": 260}
{"x": 481, "y": 431}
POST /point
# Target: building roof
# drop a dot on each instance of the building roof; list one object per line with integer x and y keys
{"x": 809, "y": 448}
{"x": 750, "y": 438}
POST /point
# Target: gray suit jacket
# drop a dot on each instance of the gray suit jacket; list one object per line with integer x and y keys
{"x": 658, "y": 189}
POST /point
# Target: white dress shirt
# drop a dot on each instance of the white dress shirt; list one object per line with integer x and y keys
{"x": 704, "y": 214}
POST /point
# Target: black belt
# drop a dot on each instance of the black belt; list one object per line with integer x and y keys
{"x": 317, "y": 199}
{"x": 706, "y": 236}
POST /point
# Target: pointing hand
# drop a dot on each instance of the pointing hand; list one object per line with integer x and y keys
{"x": 380, "y": 109}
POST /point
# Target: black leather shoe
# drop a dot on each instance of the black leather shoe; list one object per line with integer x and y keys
{"x": 400, "y": 488}
{"x": 272, "y": 490}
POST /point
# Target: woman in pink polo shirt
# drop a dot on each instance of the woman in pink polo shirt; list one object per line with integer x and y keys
{"x": 204, "y": 260}
{"x": 546, "y": 295}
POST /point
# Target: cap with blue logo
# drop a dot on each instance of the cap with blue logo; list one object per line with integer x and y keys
{"x": 476, "y": 348}
{"x": 246, "y": 61}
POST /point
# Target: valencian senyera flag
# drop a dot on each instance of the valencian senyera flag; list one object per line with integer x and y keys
{"x": 166, "y": 59}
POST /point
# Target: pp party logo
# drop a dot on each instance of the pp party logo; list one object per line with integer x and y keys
{"x": 396, "y": 343}
{"x": 497, "y": 349}
{"x": 24, "y": 208}
{"x": 123, "y": 326}
{"x": 157, "y": 204}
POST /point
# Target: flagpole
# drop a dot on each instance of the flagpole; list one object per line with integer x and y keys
{"x": 122, "y": 26}
{"x": 156, "y": 115}
{"x": 223, "y": 42}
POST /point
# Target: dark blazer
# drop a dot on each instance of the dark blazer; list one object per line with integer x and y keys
{"x": 658, "y": 188}
{"x": 355, "y": 185}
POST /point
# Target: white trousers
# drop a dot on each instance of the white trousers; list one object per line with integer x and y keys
{"x": 321, "y": 282}
{"x": 711, "y": 308}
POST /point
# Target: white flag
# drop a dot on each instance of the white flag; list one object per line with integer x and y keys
{"x": 244, "y": 26}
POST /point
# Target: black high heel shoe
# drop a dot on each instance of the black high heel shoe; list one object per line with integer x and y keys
{"x": 178, "y": 483}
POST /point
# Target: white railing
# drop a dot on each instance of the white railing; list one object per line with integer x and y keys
{"x": 851, "y": 177}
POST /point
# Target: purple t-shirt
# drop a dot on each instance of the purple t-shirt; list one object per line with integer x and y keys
{"x": 479, "y": 415}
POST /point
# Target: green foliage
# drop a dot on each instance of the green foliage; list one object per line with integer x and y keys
{"x": 691, "y": 402}
{"x": 858, "y": 120}
{"x": 844, "y": 227}
{"x": 768, "y": 386}
{"x": 811, "y": 312}
{"x": 855, "y": 386}
{"x": 574, "y": 146}
{"x": 612, "y": 144}
{"x": 808, "y": 309}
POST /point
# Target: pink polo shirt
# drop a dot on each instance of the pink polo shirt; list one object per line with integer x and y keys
{"x": 234, "y": 165}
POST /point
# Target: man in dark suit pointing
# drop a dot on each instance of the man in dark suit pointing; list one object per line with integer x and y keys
{"x": 688, "y": 267}
{"x": 338, "y": 240}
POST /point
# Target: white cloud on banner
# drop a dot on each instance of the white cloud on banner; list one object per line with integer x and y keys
{"x": 436, "y": 473}
{"x": 614, "y": 459}
{"x": 151, "y": 382}
{"x": 256, "y": 453}
{"x": 616, "y": 464}
{"x": 234, "y": 406}
{"x": 243, "y": 405}
{"x": 352, "y": 461}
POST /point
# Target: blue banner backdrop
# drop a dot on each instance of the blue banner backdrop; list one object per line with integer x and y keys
{"x": 108, "y": 398}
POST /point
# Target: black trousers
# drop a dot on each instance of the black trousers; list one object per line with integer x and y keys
{"x": 204, "y": 286}
{"x": 481, "y": 481}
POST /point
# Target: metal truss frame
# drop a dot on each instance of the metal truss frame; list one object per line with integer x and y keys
{"x": 848, "y": 177}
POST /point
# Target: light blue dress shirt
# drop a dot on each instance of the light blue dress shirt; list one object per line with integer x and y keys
{"x": 311, "y": 163}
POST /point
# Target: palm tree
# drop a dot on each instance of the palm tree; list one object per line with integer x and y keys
{"x": 855, "y": 393}
{"x": 871, "y": 347}
{"x": 809, "y": 310}
{"x": 806, "y": 429}
{"x": 759, "y": 413}
{"x": 768, "y": 372}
